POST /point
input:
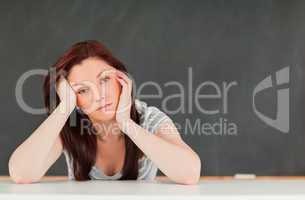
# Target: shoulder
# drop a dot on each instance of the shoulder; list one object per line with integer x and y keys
{"x": 150, "y": 116}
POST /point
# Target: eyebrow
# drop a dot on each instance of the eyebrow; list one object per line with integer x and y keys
{"x": 98, "y": 75}
{"x": 74, "y": 84}
{"x": 106, "y": 70}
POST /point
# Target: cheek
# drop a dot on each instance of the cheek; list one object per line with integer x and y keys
{"x": 84, "y": 101}
{"x": 118, "y": 89}
{"x": 115, "y": 90}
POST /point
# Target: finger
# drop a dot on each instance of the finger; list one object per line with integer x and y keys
{"x": 120, "y": 75}
{"x": 59, "y": 81}
{"x": 123, "y": 75}
{"x": 108, "y": 72}
{"x": 125, "y": 78}
{"x": 125, "y": 88}
{"x": 125, "y": 99}
{"x": 128, "y": 85}
{"x": 122, "y": 82}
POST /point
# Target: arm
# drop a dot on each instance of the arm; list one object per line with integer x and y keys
{"x": 167, "y": 150}
{"x": 37, "y": 153}
{"x": 30, "y": 161}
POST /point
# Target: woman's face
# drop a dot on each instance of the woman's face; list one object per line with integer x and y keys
{"x": 95, "y": 85}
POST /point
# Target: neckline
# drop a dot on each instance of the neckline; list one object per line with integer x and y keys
{"x": 117, "y": 174}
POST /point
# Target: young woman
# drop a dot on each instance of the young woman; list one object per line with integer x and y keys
{"x": 115, "y": 136}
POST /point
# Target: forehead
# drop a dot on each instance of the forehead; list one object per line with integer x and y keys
{"x": 88, "y": 69}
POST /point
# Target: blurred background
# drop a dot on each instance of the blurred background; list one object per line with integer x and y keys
{"x": 214, "y": 42}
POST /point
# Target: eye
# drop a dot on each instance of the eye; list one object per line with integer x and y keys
{"x": 105, "y": 79}
{"x": 82, "y": 91}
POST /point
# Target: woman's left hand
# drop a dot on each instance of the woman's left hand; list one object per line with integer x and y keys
{"x": 125, "y": 101}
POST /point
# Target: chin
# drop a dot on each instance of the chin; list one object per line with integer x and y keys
{"x": 103, "y": 116}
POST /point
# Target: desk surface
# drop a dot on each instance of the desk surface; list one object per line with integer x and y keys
{"x": 161, "y": 188}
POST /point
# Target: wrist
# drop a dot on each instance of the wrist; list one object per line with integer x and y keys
{"x": 124, "y": 125}
{"x": 66, "y": 108}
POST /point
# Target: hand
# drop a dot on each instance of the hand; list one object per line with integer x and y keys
{"x": 124, "y": 106}
{"x": 66, "y": 94}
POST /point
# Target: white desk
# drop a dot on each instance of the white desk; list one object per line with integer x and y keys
{"x": 159, "y": 189}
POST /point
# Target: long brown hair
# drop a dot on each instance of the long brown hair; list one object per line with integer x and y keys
{"x": 82, "y": 147}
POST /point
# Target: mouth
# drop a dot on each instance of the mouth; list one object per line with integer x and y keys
{"x": 102, "y": 107}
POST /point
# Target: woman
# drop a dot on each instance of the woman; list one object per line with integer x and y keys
{"x": 114, "y": 135}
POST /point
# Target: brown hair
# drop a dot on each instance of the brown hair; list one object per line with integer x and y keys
{"x": 82, "y": 147}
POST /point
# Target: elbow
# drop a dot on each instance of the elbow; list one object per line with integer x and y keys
{"x": 190, "y": 181}
{"x": 193, "y": 177}
{"x": 20, "y": 177}
{"x": 20, "y": 180}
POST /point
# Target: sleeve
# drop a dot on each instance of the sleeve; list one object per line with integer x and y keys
{"x": 151, "y": 116}
{"x": 155, "y": 117}
{"x": 151, "y": 119}
{"x": 147, "y": 169}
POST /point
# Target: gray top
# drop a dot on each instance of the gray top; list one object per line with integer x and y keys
{"x": 150, "y": 118}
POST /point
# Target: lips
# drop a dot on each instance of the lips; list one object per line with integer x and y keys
{"x": 100, "y": 108}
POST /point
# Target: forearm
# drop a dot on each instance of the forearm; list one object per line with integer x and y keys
{"x": 179, "y": 164}
{"x": 27, "y": 159}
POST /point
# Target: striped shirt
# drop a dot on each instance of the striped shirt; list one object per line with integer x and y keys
{"x": 150, "y": 119}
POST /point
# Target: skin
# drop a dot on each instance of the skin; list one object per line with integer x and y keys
{"x": 96, "y": 84}
{"x": 117, "y": 117}
{"x": 165, "y": 147}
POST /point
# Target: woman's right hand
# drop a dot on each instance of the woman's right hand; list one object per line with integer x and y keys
{"x": 66, "y": 94}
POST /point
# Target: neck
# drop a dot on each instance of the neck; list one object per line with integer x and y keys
{"x": 107, "y": 131}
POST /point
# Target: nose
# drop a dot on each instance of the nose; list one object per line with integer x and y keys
{"x": 100, "y": 94}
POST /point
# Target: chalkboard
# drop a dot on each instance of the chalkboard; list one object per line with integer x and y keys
{"x": 243, "y": 59}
